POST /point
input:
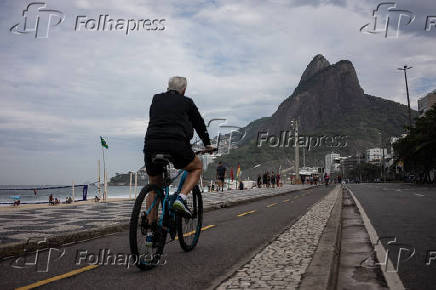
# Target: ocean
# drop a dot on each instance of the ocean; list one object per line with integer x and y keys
{"x": 26, "y": 194}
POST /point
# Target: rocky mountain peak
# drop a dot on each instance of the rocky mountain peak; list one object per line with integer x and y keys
{"x": 317, "y": 64}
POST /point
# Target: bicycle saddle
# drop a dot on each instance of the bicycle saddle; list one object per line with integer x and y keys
{"x": 161, "y": 159}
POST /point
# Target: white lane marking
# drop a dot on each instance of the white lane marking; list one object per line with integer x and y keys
{"x": 392, "y": 278}
{"x": 420, "y": 195}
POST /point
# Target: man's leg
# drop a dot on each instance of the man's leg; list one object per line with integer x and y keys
{"x": 157, "y": 180}
{"x": 194, "y": 170}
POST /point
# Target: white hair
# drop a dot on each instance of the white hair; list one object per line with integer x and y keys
{"x": 178, "y": 84}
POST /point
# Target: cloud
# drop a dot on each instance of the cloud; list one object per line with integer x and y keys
{"x": 241, "y": 59}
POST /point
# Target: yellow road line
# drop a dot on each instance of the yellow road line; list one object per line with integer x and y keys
{"x": 58, "y": 277}
{"x": 87, "y": 268}
{"x": 245, "y": 213}
{"x": 272, "y": 204}
{"x": 193, "y": 232}
{"x": 286, "y": 200}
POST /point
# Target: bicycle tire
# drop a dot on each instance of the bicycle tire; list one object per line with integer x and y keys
{"x": 188, "y": 239}
{"x": 133, "y": 232}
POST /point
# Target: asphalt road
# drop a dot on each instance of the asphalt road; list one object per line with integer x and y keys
{"x": 223, "y": 248}
{"x": 407, "y": 212}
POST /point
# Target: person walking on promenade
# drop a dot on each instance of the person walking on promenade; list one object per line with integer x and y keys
{"x": 273, "y": 179}
{"x": 259, "y": 181}
{"x": 278, "y": 179}
{"x": 220, "y": 175}
{"x": 326, "y": 179}
{"x": 264, "y": 178}
{"x": 268, "y": 179}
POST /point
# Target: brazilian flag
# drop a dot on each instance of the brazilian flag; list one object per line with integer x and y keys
{"x": 103, "y": 143}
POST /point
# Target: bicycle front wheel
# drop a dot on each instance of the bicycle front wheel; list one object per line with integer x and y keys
{"x": 189, "y": 229}
{"x": 146, "y": 256}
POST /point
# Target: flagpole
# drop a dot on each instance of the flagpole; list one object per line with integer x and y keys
{"x": 104, "y": 175}
{"x": 99, "y": 180}
{"x": 130, "y": 186}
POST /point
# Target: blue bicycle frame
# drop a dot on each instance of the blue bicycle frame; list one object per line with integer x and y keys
{"x": 165, "y": 193}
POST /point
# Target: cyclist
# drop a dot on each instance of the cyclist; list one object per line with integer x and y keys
{"x": 173, "y": 116}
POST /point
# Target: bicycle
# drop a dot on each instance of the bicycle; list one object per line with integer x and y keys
{"x": 187, "y": 229}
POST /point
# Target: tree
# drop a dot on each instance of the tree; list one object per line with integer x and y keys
{"x": 418, "y": 149}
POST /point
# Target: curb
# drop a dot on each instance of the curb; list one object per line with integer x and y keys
{"x": 322, "y": 272}
{"x": 39, "y": 243}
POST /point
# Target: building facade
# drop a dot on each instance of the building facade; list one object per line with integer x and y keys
{"x": 332, "y": 161}
{"x": 375, "y": 155}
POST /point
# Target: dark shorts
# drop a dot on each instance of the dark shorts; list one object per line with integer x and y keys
{"x": 221, "y": 178}
{"x": 180, "y": 151}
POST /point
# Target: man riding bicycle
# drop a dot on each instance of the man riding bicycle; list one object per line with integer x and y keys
{"x": 173, "y": 116}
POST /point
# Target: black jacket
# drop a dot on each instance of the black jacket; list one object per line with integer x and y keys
{"x": 173, "y": 116}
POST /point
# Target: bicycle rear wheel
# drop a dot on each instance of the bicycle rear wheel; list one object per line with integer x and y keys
{"x": 189, "y": 229}
{"x": 146, "y": 257}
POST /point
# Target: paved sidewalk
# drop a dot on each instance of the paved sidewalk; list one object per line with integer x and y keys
{"x": 22, "y": 224}
{"x": 283, "y": 262}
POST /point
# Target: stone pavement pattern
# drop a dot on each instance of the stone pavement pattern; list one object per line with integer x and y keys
{"x": 22, "y": 224}
{"x": 282, "y": 263}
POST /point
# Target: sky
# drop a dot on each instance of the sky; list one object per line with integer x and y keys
{"x": 241, "y": 58}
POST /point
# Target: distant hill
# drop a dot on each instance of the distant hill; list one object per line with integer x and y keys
{"x": 328, "y": 101}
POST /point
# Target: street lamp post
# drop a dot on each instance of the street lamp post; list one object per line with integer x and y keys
{"x": 405, "y": 68}
{"x": 294, "y": 124}
{"x": 383, "y": 176}
{"x": 360, "y": 169}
